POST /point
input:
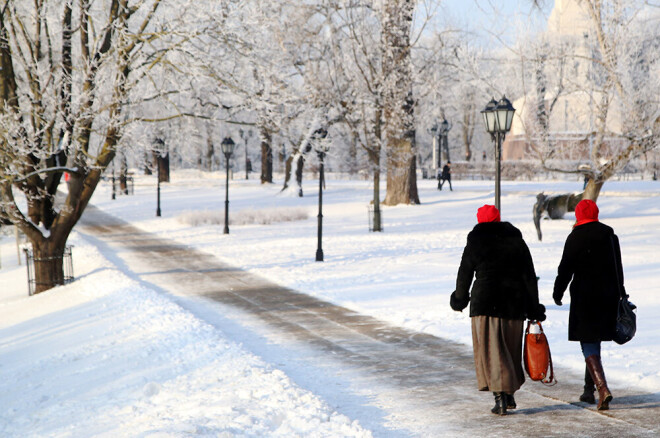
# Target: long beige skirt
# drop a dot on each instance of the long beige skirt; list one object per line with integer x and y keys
{"x": 497, "y": 345}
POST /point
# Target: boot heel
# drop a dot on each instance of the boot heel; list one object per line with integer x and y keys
{"x": 510, "y": 401}
{"x": 589, "y": 388}
{"x": 588, "y": 397}
{"x": 604, "y": 404}
{"x": 598, "y": 375}
{"x": 500, "y": 403}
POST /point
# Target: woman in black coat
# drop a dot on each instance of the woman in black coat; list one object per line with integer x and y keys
{"x": 591, "y": 262}
{"x": 503, "y": 295}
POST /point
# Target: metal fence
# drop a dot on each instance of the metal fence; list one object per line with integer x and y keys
{"x": 31, "y": 262}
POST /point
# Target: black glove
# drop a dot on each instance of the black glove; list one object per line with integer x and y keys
{"x": 557, "y": 297}
{"x": 456, "y": 303}
{"x": 539, "y": 314}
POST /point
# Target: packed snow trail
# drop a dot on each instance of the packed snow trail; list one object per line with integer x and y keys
{"x": 394, "y": 381}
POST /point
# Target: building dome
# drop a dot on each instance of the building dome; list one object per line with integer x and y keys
{"x": 568, "y": 17}
{"x": 572, "y": 117}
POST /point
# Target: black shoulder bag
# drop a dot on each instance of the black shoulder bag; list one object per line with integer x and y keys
{"x": 626, "y": 319}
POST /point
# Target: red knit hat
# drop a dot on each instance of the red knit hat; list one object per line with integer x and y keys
{"x": 488, "y": 213}
{"x": 586, "y": 211}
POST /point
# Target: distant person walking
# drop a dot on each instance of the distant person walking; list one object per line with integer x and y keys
{"x": 445, "y": 176}
{"x": 504, "y": 294}
{"x": 591, "y": 262}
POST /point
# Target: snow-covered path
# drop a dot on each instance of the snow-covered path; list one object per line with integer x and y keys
{"x": 395, "y": 382}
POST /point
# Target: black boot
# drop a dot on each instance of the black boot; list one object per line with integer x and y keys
{"x": 510, "y": 401}
{"x": 598, "y": 375}
{"x": 589, "y": 388}
{"x": 500, "y": 403}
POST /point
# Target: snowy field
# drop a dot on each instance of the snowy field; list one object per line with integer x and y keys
{"x": 108, "y": 357}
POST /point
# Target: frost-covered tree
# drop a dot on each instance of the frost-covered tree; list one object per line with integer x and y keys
{"x": 321, "y": 65}
{"x": 601, "y": 77}
{"x": 398, "y": 102}
{"x": 450, "y": 85}
{"x": 258, "y": 68}
{"x": 69, "y": 82}
{"x": 363, "y": 75}
{"x": 346, "y": 79}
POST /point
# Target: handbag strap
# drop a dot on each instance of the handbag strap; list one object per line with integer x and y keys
{"x": 550, "y": 380}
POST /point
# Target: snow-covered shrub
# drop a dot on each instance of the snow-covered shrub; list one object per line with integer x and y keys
{"x": 244, "y": 217}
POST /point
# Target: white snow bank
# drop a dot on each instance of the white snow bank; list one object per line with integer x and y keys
{"x": 106, "y": 356}
{"x": 248, "y": 216}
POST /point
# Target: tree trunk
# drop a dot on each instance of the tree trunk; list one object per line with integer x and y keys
{"x": 374, "y": 154}
{"x": 148, "y": 163}
{"x": 210, "y": 154}
{"x": 266, "y": 157}
{"x": 401, "y": 174}
{"x": 48, "y": 265}
{"x": 398, "y": 103}
{"x": 123, "y": 175}
{"x": 468, "y": 131}
{"x": 299, "y": 160}
{"x": 287, "y": 171}
{"x": 377, "y": 222}
{"x": 299, "y": 174}
{"x": 593, "y": 189}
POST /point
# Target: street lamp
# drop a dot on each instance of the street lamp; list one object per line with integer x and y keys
{"x": 114, "y": 196}
{"x": 498, "y": 117}
{"x": 321, "y": 149}
{"x": 159, "y": 146}
{"x": 445, "y": 126}
{"x": 434, "y": 131}
{"x": 245, "y": 136}
{"x": 227, "y": 149}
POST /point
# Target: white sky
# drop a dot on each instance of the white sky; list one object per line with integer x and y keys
{"x": 484, "y": 17}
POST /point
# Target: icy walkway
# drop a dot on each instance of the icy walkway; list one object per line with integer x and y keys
{"x": 394, "y": 381}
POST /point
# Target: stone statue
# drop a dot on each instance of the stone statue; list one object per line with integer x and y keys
{"x": 554, "y": 206}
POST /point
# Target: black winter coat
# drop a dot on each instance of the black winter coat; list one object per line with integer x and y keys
{"x": 592, "y": 260}
{"x": 446, "y": 172}
{"x": 505, "y": 285}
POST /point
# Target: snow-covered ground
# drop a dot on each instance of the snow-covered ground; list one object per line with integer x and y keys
{"x": 108, "y": 357}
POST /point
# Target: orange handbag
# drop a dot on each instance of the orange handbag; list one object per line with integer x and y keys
{"x": 536, "y": 355}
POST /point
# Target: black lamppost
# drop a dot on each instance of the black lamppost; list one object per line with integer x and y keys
{"x": 445, "y": 126}
{"x": 245, "y": 136}
{"x": 498, "y": 117}
{"x": 227, "y": 149}
{"x": 321, "y": 149}
{"x": 158, "y": 194}
{"x": 434, "y": 131}
{"x": 114, "y": 196}
{"x": 159, "y": 145}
